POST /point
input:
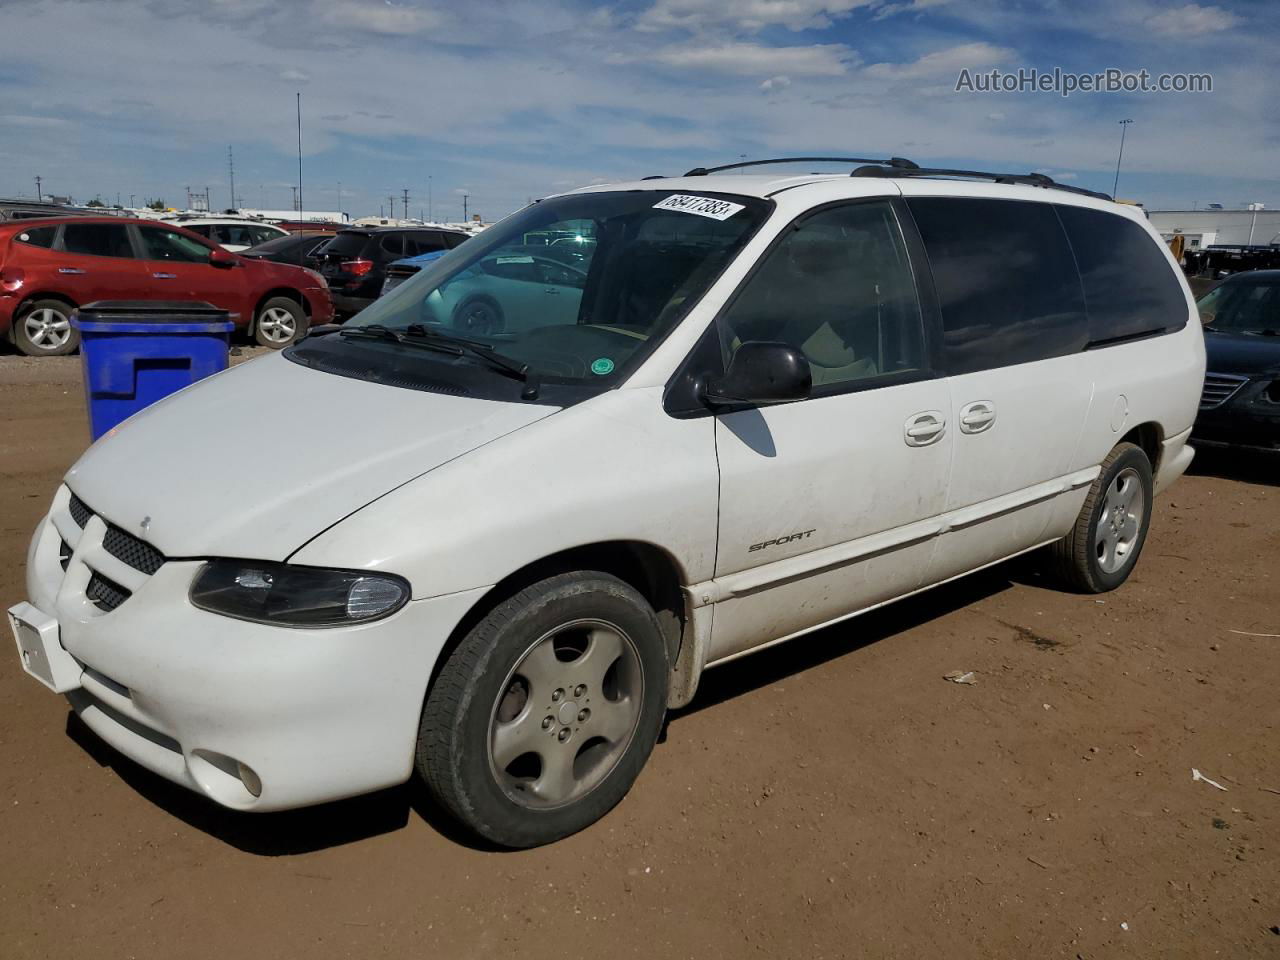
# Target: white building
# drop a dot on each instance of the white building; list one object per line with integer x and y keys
{"x": 1204, "y": 228}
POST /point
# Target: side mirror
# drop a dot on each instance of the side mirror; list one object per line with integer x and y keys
{"x": 760, "y": 373}
{"x": 221, "y": 258}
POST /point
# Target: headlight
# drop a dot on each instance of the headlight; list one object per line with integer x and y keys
{"x": 287, "y": 595}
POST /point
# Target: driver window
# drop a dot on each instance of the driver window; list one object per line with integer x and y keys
{"x": 174, "y": 247}
{"x": 839, "y": 289}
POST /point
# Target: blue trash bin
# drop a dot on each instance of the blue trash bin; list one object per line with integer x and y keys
{"x": 135, "y": 352}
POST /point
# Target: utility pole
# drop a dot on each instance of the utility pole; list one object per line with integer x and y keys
{"x": 464, "y": 208}
{"x": 339, "y": 196}
{"x": 208, "y": 203}
{"x": 231, "y": 169}
{"x": 1124, "y": 126}
{"x": 131, "y": 196}
{"x": 39, "y": 192}
{"x": 391, "y": 207}
{"x": 295, "y": 197}
{"x": 406, "y": 202}
{"x": 299, "y": 102}
{"x": 431, "y": 213}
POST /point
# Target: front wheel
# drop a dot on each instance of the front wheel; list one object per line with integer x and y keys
{"x": 44, "y": 329}
{"x": 280, "y": 322}
{"x": 543, "y": 716}
{"x": 1103, "y": 546}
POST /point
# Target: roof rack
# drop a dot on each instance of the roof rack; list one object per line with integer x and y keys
{"x": 1028, "y": 179}
{"x": 902, "y": 167}
{"x": 897, "y": 163}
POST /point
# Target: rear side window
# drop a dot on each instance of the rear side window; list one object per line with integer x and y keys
{"x": 416, "y": 244}
{"x": 97, "y": 239}
{"x": 1006, "y": 281}
{"x": 392, "y": 244}
{"x": 38, "y": 237}
{"x": 204, "y": 229}
{"x": 1129, "y": 288}
{"x": 454, "y": 239}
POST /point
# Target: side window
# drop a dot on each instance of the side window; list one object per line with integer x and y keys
{"x": 159, "y": 244}
{"x": 1006, "y": 281}
{"x": 205, "y": 230}
{"x": 38, "y": 236}
{"x": 1129, "y": 287}
{"x": 392, "y": 244}
{"x": 559, "y": 275}
{"x": 97, "y": 239}
{"x": 417, "y": 244}
{"x": 259, "y": 235}
{"x": 455, "y": 239}
{"x": 839, "y": 288}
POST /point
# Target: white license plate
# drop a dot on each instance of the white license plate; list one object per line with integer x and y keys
{"x": 41, "y": 651}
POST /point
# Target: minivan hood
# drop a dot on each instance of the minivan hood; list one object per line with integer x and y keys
{"x": 1241, "y": 353}
{"x": 255, "y": 461}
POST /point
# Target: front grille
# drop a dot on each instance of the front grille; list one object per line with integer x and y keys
{"x": 127, "y": 548}
{"x": 80, "y": 512}
{"x": 105, "y": 594}
{"x": 1219, "y": 388}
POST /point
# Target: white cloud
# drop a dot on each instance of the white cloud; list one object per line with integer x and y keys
{"x": 376, "y": 16}
{"x": 747, "y": 14}
{"x": 775, "y": 83}
{"x": 753, "y": 59}
{"x": 997, "y": 116}
{"x": 1192, "y": 20}
{"x": 908, "y": 6}
{"x": 974, "y": 56}
{"x": 294, "y": 75}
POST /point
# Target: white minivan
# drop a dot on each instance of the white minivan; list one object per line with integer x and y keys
{"x": 498, "y": 556}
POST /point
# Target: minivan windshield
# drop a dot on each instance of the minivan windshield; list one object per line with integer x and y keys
{"x": 576, "y": 288}
{"x": 1242, "y": 307}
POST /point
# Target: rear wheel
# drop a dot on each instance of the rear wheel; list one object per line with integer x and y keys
{"x": 541, "y": 719}
{"x": 280, "y": 321}
{"x": 43, "y": 329}
{"x": 1103, "y": 546}
{"x": 479, "y": 317}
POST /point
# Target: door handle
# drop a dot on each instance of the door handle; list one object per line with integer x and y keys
{"x": 977, "y": 416}
{"x": 925, "y": 428}
{"x": 165, "y": 276}
{"x": 72, "y": 270}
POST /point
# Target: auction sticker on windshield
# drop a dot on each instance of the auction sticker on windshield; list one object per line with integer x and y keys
{"x": 702, "y": 206}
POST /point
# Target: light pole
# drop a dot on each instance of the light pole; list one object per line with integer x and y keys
{"x": 1124, "y": 126}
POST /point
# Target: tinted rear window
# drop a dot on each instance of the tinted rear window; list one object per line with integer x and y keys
{"x": 97, "y": 239}
{"x": 1129, "y": 288}
{"x": 347, "y": 244}
{"x": 38, "y": 236}
{"x": 1005, "y": 279}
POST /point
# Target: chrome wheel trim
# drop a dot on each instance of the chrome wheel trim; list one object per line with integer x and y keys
{"x": 576, "y": 717}
{"x": 1119, "y": 526}
{"x": 47, "y": 328}
{"x": 277, "y": 325}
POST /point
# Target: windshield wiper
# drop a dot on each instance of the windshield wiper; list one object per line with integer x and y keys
{"x": 482, "y": 351}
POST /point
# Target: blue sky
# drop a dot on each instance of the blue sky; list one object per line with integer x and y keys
{"x": 510, "y": 100}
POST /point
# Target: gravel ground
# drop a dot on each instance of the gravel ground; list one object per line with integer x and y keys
{"x": 833, "y": 797}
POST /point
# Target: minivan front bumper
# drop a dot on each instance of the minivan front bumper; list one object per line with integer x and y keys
{"x": 256, "y": 717}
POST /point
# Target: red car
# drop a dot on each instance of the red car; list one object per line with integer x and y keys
{"x": 51, "y": 266}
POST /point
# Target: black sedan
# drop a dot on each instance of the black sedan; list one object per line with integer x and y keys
{"x": 1240, "y": 405}
{"x": 297, "y": 249}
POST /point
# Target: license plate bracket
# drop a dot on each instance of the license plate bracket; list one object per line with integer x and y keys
{"x": 41, "y": 650}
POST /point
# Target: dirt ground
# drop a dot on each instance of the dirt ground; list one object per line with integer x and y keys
{"x": 833, "y": 797}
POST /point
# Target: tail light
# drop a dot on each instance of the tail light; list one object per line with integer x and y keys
{"x": 11, "y": 279}
{"x": 358, "y": 267}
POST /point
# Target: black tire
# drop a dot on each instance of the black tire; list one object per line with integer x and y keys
{"x": 270, "y": 327}
{"x": 1075, "y": 559}
{"x": 33, "y": 344}
{"x": 463, "y": 709}
{"x": 479, "y": 316}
